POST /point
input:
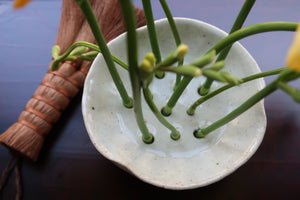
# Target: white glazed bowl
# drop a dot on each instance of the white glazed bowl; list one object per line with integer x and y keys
{"x": 189, "y": 162}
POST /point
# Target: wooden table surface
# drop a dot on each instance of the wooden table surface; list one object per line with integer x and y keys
{"x": 70, "y": 167}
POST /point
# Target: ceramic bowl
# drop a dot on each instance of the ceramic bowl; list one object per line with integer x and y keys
{"x": 189, "y": 162}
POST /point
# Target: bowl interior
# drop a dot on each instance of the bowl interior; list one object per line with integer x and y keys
{"x": 189, "y": 162}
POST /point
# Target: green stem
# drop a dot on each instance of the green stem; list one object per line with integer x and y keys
{"x": 130, "y": 24}
{"x": 286, "y": 88}
{"x": 175, "y": 135}
{"x": 171, "y": 21}
{"x": 252, "y": 30}
{"x": 201, "y": 100}
{"x": 178, "y": 77}
{"x": 174, "y": 31}
{"x": 241, "y": 18}
{"x": 90, "y": 17}
{"x": 84, "y": 44}
{"x": 167, "y": 110}
{"x": 240, "y": 34}
{"x": 200, "y": 62}
{"x": 152, "y": 33}
{"x": 285, "y": 74}
{"x": 239, "y": 110}
{"x": 293, "y": 92}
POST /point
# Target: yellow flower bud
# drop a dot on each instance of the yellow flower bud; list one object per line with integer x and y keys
{"x": 20, "y": 3}
{"x": 293, "y": 56}
{"x": 151, "y": 58}
{"x": 146, "y": 66}
{"x": 181, "y": 50}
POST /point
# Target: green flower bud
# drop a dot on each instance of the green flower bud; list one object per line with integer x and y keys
{"x": 89, "y": 55}
{"x": 78, "y": 51}
{"x": 71, "y": 58}
{"x": 186, "y": 70}
{"x": 231, "y": 79}
{"x": 55, "y": 51}
{"x": 218, "y": 66}
{"x": 214, "y": 75}
{"x": 205, "y": 59}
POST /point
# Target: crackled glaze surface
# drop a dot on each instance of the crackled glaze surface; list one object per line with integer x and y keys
{"x": 189, "y": 162}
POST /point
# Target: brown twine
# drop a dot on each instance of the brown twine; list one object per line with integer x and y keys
{"x": 18, "y": 180}
{"x": 5, "y": 174}
{"x": 12, "y": 166}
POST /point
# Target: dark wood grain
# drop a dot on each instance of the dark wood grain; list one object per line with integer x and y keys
{"x": 70, "y": 167}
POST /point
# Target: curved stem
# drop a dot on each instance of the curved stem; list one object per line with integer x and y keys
{"x": 130, "y": 24}
{"x": 239, "y": 110}
{"x": 201, "y": 100}
{"x": 242, "y": 33}
{"x": 241, "y": 18}
{"x": 175, "y": 135}
{"x": 89, "y": 45}
{"x": 252, "y": 30}
{"x": 152, "y": 33}
{"x": 87, "y": 10}
{"x": 283, "y": 76}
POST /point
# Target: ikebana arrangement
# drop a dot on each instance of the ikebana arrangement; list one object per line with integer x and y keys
{"x": 210, "y": 64}
{"x": 153, "y": 65}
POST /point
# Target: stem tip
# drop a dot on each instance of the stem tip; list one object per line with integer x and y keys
{"x": 128, "y": 104}
{"x": 175, "y": 135}
{"x": 149, "y": 139}
{"x": 159, "y": 74}
{"x": 166, "y": 111}
{"x": 198, "y": 133}
{"x": 190, "y": 111}
{"x": 203, "y": 91}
